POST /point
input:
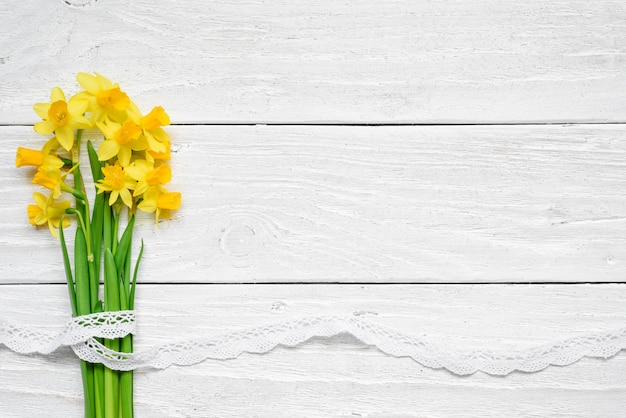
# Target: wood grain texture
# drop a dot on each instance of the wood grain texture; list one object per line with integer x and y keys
{"x": 326, "y": 61}
{"x": 339, "y": 377}
{"x": 366, "y": 204}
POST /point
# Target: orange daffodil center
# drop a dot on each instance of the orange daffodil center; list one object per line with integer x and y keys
{"x": 26, "y": 156}
{"x": 127, "y": 132}
{"x": 58, "y": 113}
{"x": 112, "y": 98}
{"x": 156, "y": 118}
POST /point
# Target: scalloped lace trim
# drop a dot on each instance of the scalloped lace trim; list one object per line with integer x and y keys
{"x": 80, "y": 334}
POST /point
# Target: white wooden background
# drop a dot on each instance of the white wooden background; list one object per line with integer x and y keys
{"x": 448, "y": 168}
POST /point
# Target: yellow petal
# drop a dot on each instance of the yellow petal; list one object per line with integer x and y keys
{"x": 123, "y": 156}
{"x": 113, "y": 198}
{"x": 77, "y": 106}
{"x": 80, "y": 122}
{"x": 108, "y": 129}
{"x": 39, "y": 199}
{"x": 104, "y": 82}
{"x": 52, "y": 230}
{"x": 147, "y": 205}
{"x": 65, "y": 136}
{"x": 40, "y": 219}
{"x": 133, "y": 112}
{"x": 88, "y": 82}
{"x": 41, "y": 109}
{"x": 52, "y": 161}
{"x": 45, "y": 128}
{"x": 126, "y": 197}
{"x": 57, "y": 95}
{"x": 108, "y": 149}
{"x": 140, "y": 188}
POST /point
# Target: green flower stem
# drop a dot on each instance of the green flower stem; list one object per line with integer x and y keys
{"x": 116, "y": 226}
{"x": 83, "y": 307}
{"x": 126, "y": 345}
{"x": 111, "y": 303}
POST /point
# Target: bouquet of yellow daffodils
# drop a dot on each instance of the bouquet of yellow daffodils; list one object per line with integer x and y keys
{"x": 129, "y": 171}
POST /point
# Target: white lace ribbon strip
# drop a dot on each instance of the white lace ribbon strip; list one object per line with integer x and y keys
{"x": 80, "y": 334}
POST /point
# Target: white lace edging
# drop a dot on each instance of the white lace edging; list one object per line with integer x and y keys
{"x": 81, "y": 333}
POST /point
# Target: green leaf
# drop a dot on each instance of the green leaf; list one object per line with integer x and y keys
{"x": 111, "y": 283}
{"x": 94, "y": 162}
{"x": 81, "y": 272}
{"x": 107, "y": 226}
{"x": 131, "y": 296}
{"x": 97, "y": 224}
{"x": 124, "y": 246}
{"x": 68, "y": 270}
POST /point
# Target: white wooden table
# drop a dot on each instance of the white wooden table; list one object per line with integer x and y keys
{"x": 449, "y": 168}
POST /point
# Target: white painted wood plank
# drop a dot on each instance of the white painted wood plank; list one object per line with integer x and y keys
{"x": 366, "y": 204}
{"x": 338, "y": 377}
{"x": 326, "y": 61}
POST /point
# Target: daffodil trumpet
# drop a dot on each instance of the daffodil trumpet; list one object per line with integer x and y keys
{"x": 128, "y": 172}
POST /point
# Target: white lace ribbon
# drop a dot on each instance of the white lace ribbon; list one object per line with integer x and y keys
{"x": 80, "y": 334}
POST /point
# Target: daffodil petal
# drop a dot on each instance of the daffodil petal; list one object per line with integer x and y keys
{"x": 53, "y": 231}
{"x": 39, "y": 199}
{"x": 108, "y": 129}
{"x": 108, "y": 149}
{"x": 45, "y": 128}
{"x": 105, "y": 83}
{"x": 123, "y": 156}
{"x": 126, "y": 197}
{"x": 133, "y": 112}
{"x": 65, "y": 136}
{"x": 77, "y": 106}
{"x": 113, "y": 197}
{"x": 40, "y": 219}
{"x": 41, "y": 109}
{"x": 140, "y": 188}
{"x": 147, "y": 205}
{"x": 80, "y": 122}
{"x": 88, "y": 82}
{"x": 57, "y": 95}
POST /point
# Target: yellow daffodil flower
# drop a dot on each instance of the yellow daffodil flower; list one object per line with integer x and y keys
{"x": 30, "y": 157}
{"x": 121, "y": 141}
{"x": 160, "y": 201}
{"x": 27, "y": 156}
{"x": 105, "y": 98}
{"x": 45, "y": 211}
{"x": 151, "y": 125}
{"x": 147, "y": 176}
{"x": 165, "y": 155}
{"x": 62, "y": 117}
{"x": 51, "y": 178}
{"x": 118, "y": 183}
